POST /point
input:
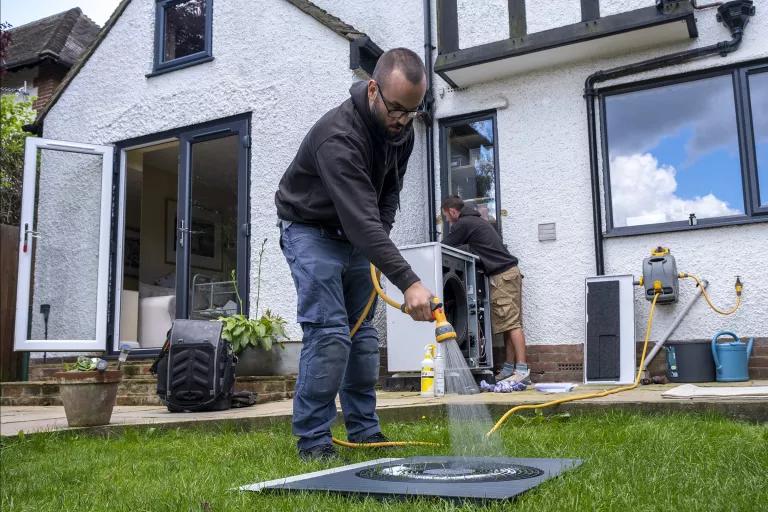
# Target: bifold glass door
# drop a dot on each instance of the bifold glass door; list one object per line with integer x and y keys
{"x": 64, "y": 247}
{"x": 183, "y": 232}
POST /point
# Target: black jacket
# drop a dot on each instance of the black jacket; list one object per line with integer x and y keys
{"x": 346, "y": 174}
{"x": 483, "y": 240}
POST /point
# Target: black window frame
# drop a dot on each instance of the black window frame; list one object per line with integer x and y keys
{"x": 206, "y": 55}
{"x": 445, "y": 160}
{"x": 754, "y": 189}
{"x": 753, "y": 212}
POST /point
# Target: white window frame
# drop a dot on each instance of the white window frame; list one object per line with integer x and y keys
{"x": 99, "y": 344}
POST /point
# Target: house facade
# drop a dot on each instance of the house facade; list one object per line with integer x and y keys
{"x": 187, "y": 114}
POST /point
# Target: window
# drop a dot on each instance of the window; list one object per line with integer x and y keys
{"x": 674, "y": 156}
{"x": 182, "y": 33}
{"x": 469, "y": 163}
{"x": 758, "y": 97}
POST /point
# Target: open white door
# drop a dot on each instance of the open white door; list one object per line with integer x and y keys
{"x": 61, "y": 299}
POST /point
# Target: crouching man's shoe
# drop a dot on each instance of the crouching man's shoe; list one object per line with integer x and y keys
{"x": 520, "y": 375}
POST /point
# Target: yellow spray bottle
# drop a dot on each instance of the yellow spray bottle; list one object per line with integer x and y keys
{"x": 428, "y": 372}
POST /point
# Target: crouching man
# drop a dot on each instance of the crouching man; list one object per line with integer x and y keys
{"x": 469, "y": 228}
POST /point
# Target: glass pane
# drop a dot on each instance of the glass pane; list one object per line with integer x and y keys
{"x": 213, "y": 240}
{"x": 758, "y": 95}
{"x": 472, "y": 174}
{"x": 184, "y": 29}
{"x": 65, "y": 258}
{"x": 148, "y": 298}
{"x": 673, "y": 153}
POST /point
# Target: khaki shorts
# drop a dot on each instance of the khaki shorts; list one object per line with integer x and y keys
{"x": 507, "y": 300}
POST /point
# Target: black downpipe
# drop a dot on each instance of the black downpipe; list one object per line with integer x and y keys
{"x": 734, "y": 15}
{"x": 429, "y": 101}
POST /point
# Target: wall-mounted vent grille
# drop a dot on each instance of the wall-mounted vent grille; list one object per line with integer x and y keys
{"x": 547, "y": 232}
{"x": 570, "y": 367}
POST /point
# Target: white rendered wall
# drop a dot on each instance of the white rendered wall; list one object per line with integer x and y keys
{"x": 482, "y": 22}
{"x": 545, "y": 15}
{"x": 276, "y": 62}
{"x": 610, "y": 7}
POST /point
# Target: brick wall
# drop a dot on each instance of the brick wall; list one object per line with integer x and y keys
{"x": 48, "y": 79}
{"x": 565, "y": 363}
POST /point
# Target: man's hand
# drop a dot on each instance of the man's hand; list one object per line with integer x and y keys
{"x": 418, "y": 302}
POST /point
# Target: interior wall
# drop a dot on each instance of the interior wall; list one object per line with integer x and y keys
{"x": 159, "y": 186}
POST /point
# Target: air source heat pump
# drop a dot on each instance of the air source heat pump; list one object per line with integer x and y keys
{"x": 453, "y": 275}
{"x": 609, "y": 347}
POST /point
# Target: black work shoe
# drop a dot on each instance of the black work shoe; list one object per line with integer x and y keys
{"x": 319, "y": 452}
{"x": 378, "y": 437}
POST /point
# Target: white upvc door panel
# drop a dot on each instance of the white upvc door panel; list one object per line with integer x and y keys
{"x": 62, "y": 291}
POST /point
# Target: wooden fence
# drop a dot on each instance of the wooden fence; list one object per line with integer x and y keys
{"x": 10, "y": 361}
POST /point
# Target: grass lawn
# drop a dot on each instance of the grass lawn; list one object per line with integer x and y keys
{"x": 631, "y": 462}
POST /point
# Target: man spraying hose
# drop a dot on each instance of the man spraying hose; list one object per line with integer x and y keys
{"x": 336, "y": 203}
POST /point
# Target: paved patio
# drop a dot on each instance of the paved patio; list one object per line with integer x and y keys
{"x": 391, "y": 406}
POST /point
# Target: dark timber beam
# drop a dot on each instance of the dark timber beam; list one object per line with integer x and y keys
{"x": 447, "y": 26}
{"x": 590, "y": 10}
{"x": 517, "y": 26}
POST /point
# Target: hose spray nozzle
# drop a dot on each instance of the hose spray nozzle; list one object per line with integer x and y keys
{"x": 739, "y": 286}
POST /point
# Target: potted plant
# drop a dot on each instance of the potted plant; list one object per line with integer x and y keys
{"x": 88, "y": 391}
{"x": 253, "y": 339}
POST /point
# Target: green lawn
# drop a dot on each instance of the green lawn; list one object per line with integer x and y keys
{"x": 631, "y": 463}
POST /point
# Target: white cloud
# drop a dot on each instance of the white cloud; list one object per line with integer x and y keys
{"x": 643, "y": 192}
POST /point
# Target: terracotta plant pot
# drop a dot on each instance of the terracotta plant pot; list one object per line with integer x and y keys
{"x": 88, "y": 397}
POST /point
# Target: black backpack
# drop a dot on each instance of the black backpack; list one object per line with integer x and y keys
{"x": 196, "y": 368}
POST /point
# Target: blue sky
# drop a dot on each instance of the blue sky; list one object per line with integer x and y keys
{"x": 20, "y": 12}
{"x": 717, "y": 171}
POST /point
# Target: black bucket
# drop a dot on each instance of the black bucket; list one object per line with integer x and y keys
{"x": 690, "y": 361}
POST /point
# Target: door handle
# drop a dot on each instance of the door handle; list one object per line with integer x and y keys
{"x": 182, "y": 229}
{"x": 28, "y": 233}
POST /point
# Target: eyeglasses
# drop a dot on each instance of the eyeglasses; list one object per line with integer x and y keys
{"x": 398, "y": 112}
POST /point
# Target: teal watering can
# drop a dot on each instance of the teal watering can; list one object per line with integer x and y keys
{"x": 731, "y": 359}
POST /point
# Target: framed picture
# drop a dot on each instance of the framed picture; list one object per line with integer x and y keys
{"x": 205, "y": 242}
{"x": 131, "y": 252}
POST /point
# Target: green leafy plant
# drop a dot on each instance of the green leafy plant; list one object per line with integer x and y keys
{"x": 13, "y": 115}
{"x": 83, "y": 364}
{"x": 261, "y": 332}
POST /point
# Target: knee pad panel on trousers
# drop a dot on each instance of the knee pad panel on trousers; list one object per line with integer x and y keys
{"x": 326, "y": 366}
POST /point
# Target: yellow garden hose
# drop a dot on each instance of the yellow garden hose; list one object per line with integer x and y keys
{"x": 384, "y": 444}
{"x": 589, "y": 395}
{"x": 739, "y": 287}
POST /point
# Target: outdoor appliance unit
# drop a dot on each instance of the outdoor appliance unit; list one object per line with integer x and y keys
{"x": 454, "y": 276}
{"x": 609, "y": 347}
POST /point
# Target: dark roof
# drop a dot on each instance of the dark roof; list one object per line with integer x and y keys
{"x": 62, "y": 37}
{"x": 329, "y": 20}
{"x": 345, "y": 30}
